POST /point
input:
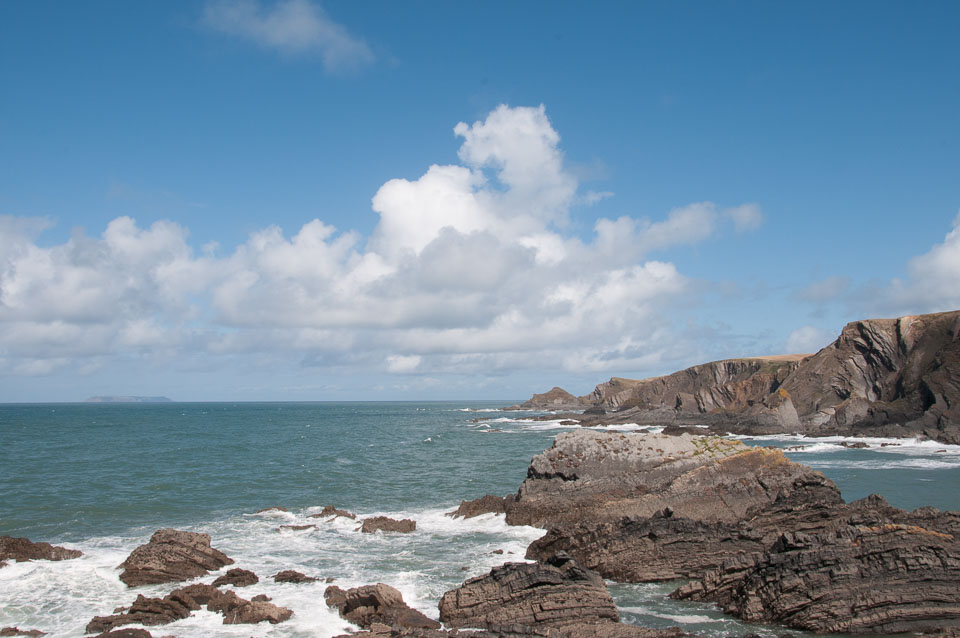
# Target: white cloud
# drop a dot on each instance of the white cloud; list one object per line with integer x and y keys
{"x": 592, "y": 197}
{"x": 290, "y": 26}
{"x": 808, "y": 339}
{"x": 468, "y": 269}
{"x": 745, "y": 218}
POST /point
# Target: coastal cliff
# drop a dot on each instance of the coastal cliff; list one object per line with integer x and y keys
{"x": 881, "y": 377}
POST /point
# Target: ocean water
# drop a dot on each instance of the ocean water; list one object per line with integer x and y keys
{"x": 103, "y": 477}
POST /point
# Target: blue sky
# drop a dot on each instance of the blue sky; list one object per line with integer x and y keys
{"x": 303, "y": 201}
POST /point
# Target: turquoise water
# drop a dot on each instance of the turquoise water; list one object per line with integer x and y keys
{"x": 102, "y": 478}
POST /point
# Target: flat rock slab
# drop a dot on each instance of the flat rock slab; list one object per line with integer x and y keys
{"x": 172, "y": 556}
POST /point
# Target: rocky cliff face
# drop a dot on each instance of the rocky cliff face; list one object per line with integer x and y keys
{"x": 881, "y": 377}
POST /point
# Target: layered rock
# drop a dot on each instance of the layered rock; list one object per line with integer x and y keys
{"x": 16, "y": 631}
{"x": 881, "y": 377}
{"x": 387, "y": 524}
{"x": 172, "y": 556}
{"x": 376, "y": 604}
{"x": 516, "y": 595}
{"x": 237, "y": 578}
{"x": 23, "y": 549}
{"x": 554, "y": 399}
{"x": 488, "y": 504}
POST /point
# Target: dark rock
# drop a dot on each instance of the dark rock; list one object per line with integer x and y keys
{"x": 387, "y": 524}
{"x": 171, "y": 556}
{"x": 330, "y": 510}
{"x": 530, "y": 594}
{"x": 22, "y": 549}
{"x": 16, "y": 631}
{"x": 378, "y": 603}
{"x": 488, "y": 504}
{"x": 882, "y": 578}
{"x": 296, "y": 528}
{"x": 255, "y": 612}
{"x": 555, "y": 399}
{"x": 125, "y": 633}
{"x": 237, "y": 578}
{"x": 291, "y": 576}
{"x": 261, "y": 598}
{"x": 147, "y": 611}
{"x": 855, "y": 445}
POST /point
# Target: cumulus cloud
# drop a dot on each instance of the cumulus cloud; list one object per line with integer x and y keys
{"x": 470, "y": 268}
{"x": 934, "y": 277}
{"x": 290, "y": 26}
{"x": 745, "y": 218}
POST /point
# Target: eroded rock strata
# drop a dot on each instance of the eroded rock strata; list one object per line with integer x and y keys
{"x": 172, "y": 556}
{"x": 23, "y": 549}
{"x": 376, "y": 604}
{"x": 881, "y": 377}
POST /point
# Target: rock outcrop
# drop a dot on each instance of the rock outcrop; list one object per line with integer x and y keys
{"x": 16, "y": 631}
{"x": 172, "y": 556}
{"x": 330, "y": 510}
{"x": 22, "y": 549}
{"x": 293, "y": 576}
{"x": 387, "y": 524}
{"x": 376, "y": 604}
{"x": 555, "y": 594}
{"x": 488, "y": 504}
{"x": 237, "y": 578}
{"x": 555, "y": 399}
{"x": 147, "y": 611}
{"x": 881, "y": 377}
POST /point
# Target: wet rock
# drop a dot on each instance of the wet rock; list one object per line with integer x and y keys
{"x": 378, "y": 603}
{"x": 125, "y": 633}
{"x": 16, "y": 631}
{"x": 261, "y": 598}
{"x": 255, "y": 612}
{"x": 854, "y": 445}
{"x": 267, "y": 510}
{"x": 147, "y": 611}
{"x": 881, "y": 578}
{"x": 238, "y": 578}
{"x": 330, "y": 510}
{"x": 296, "y": 528}
{"x": 558, "y": 594}
{"x": 22, "y": 549}
{"x": 291, "y": 576}
{"x": 387, "y": 524}
{"x": 171, "y": 556}
{"x": 488, "y": 504}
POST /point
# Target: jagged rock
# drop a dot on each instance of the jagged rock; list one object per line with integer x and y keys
{"x": 147, "y": 611}
{"x": 378, "y": 603}
{"x": 880, "y": 578}
{"x": 387, "y": 524}
{"x": 23, "y": 549}
{"x": 291, "y": 576}
{"x": 604, "y": 476}
{"x": 488, "y": 504}
{"x": 171, "y": 556}
{"x": 255, "y": 612}
{"x": 881, "y": 377}
{"x": 555, "y": 399}
{"x": 238, "y": 578}
{"x": 558, "y": 594}
{"x": 16, "y": 631}
{"x": 330, "y": 510}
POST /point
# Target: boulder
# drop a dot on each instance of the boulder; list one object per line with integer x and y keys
{"x": 330, "y": 510}
{"x": 255, "y": 612}
{"x": 555, "y": 594}
{"x": 237, "y": 577}
{"x": 387, "y": 524}
{"x": 291, "y": 576}
{"x": 22, "y": 549}
{"x": 488, "y": 504}
{"x": 370, "y": 604}
{"x": 147, "y": 611}
{"x": 171, "y": 556}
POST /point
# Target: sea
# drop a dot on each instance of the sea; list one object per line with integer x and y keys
{"x": 102, "y": 478}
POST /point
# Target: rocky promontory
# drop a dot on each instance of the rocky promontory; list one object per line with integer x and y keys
{"x": 767, "y": 539}
{"x": 172, "y": 556}
{"x": 23, "y": 549}
{"x": 881, "y": 377}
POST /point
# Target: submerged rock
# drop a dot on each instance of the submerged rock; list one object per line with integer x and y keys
{"x": 557, "y": 594}
{"x": 16, "y": 631}
{"x": 330, "y": 510}
{"x": 23, "y": 549}
{"x": 125, "y": 633}
{"x": 371, "y": 604}
{"x": 171, "y": 556}
{"x": 387, "y": 524}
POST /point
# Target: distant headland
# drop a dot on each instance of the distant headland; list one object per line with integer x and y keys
{"x": 110, "y": 399}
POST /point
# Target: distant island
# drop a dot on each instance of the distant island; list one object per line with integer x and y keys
{"x": 108, "y": 399}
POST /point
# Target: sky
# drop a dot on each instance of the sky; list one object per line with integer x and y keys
{"x": 296, "y": 200}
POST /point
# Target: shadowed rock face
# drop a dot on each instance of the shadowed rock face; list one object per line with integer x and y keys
{"x": 237, "y": 578}
{"x": 22, "y": 549}
{"x": 172, "y": 556}
{"x": 530, "y": 594}
{"x": 387, "y": 524}
{"x": 881, "y": 377}
{"x": 376, "y": 604}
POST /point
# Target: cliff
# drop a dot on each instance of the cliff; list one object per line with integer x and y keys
{"x": 881, "y": 377}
